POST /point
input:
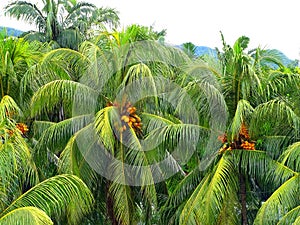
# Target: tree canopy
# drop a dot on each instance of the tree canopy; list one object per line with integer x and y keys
{"x": 102, "y": 125}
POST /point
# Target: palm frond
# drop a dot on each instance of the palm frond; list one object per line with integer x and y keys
{"x": 284, "y": 199}
{"x": 63, "y": 90}
{"x": 242, "y": 114}
{"x": 8, "y": 107}
{"x": 26, "y": 11}
{"x": 102, "y": 68}
{"x": 56, "y": 136}
{"x": 279, "y": 82}
{"x": 39, "y": 127}
{"x": 268, "y": 172}
{"x": 26, "y": 215}
{"x": 277, "y": 112}
{"x": 181, "y": 192}
{"x": 54, "y": 65}
{"x": 290, "y": 157}
{"x": 123, "y": 202}
{"x": 72, "y": 161}
{"x": 229, "y": 214}
{"x": 103, "y": 126}
{"x": 16, "y": 164}
{"x": 269, "y": 58}
{"x": 55, "y": 196}
{"x": 207, "y": 98}
{"x": 274, "y": 144}
{"x": 206, "y": 202}
{"x": 79, "y": 13}
{"x": 107, "y": 16}
{"x": 292, "y": 217}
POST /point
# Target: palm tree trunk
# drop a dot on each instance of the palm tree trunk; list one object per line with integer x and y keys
{"x": 243, "y": 199}
{"x": 110, "y": 205}
{"x": 243, "y": 196}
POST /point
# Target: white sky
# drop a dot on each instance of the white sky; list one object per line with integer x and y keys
{"x": 269, "y": 24}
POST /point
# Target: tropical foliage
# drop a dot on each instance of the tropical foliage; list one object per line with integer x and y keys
{"x": 108, "y": 126}
{"x": 66, "y": 22}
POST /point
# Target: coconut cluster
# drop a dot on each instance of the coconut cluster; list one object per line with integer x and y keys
{"x": 243, "y": 141}
{"x": 129, "y": 118}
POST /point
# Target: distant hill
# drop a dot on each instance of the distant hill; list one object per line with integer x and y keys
{"x": 12, "y": 31}
{"x": 204, "y": 50}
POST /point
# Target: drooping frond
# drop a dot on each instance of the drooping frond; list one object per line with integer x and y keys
{"x": 57, "y": 135}
{"x": 206, "y": 97}
{"x": 56, "y": 196}
{"x": 279, "y": 82}
{"x": 242, "y": 114}
{"x": 63, "y": 91}
{"x": 26, "y": 215}
{"x": 57, "y": 64}
{"x": 292, "y": 217}
{"x": 72, "y": 161}
{"x": 102, "y": 67}
{"x": 39, "y": 127}
{"x": 206, "y": 202}
{"x": 291, "y": 157}
{"x": 26, "y": 11}
{"x": 103, "y": 126}
{"x": 182, "y": 191}
{"x": 274, "y": 144}
{"x": 123, "y": 202}
{"x": 16, "y": 164}
{"x": 180, "y": 140}
{"x": 229, "y": 214}
{"x": 277, "y": 112}
{"x": 8, "y": 108}
{"x": 107, "y": 16}
{"x": 79, "y": 13}
{"x": 284, "y": 199}
{"x": 268, "y": 59}
{"x": 259, "y": 165}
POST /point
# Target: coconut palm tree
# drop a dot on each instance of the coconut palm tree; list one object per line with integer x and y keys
{"x": 101, "y": 123}
{"x": 106, "y": 125}
{"x": 65, "y": 22}
{"x": 190, "y": 49}
{"x": 16, "y": 56}
{"x": 23, "y": 199}
{"x": 230, "y": 189}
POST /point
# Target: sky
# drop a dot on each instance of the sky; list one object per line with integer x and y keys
{"x": 269, "y": 24}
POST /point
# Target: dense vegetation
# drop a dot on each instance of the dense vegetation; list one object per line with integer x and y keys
{"x": 106, "y": 126}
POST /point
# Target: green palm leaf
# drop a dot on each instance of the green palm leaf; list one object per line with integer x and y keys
{"x": 291, "y": 156}
{"x": 26, "y": 215}
{"x": 62, "y": 90}
{"x": 56, "y": 136}
{"x": 8, "y": 107}
{"x": 259, "y": 165}
{"x": 206, "y": 202}
{"x": 284, "y": 199}
{"x": 55, "y": 196}
{"x": 27, "y": 11}
{"x": 275, "y": 111}
{"x": 291, "y": 217}
{"x": 242, "y": 114}
{"x": 72, "y": 161}
{"x": 54, "y": 65}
